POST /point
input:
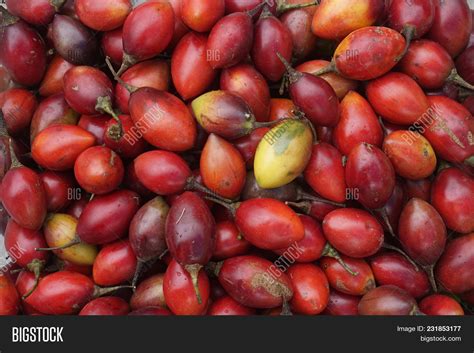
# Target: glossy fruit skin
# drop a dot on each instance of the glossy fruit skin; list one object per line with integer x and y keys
{"x": 57, "y": 147}
{"x": 23, "y": 197}
{"x": 387, "y": 300}
{"x": 454, "y": 270}
{"x": 127, "y": 149}
{"x": 363, "y": 64}
{"x": 251, "y": 281}
{"x": 268, "y": 223}
{"x": 439, "y": 304}
{"x": 106, "y": 306}
{"x": 411, "y": 155}
{"x": 151, "y": 17}
{"x": 226, "y": 306}
{"x": 247, "y": 145}
{"x": 10, "y": 300}
{"x": 419, "y": 188}
{"x": 149, "y": 293}
{"x": 107, "y": 217}
{"x": 464, "y": 65}
{"x": 35, "y": 12}
{"x": 310, "y": 289}
{"x": 281, "y": 108}
{"x": 115, "y": 264}
{"x": 419, "y": 15}
{"x": 112, "y": 46}
{"x": 353, "y": 232}
{"x": 164, "y": 173}
{"x": 451, "y": 131}
{"x": 331, "y": 183}
{"x": 179, "y": 291}
{"x": 270, "y": 37}
{"x": 348, "y": 15}
{"x": 451, "y": 195}
{"x": 201, "y": 16}
{"x": 357, "y": 123}
{"x": 52, "y": 82}
{"x": 62, "y": 293}
{"x": 230, "y": 40}
{"x": 23, "y": 53}
{"x": 190, "y": 230}
{"x": 341, "y": 304}
{"x": 74, "y": 41}
{"x": 104, "y": 15}
{"x": 222, "y": 167}
{"x": 229, "y": 241}
{"x": 451, "y": 26}
{"x": 370, "y": 172}
{"x": 163, "y": 120}
{"x": 99, "y": 170}
{"x": 245, "y": 81}
{"x": 96, "y": 125}
{"x": 17, "y": 106}
{"x": 151, "y": 73}
{"x": 345, "y": 282}
{"x": 391, "y": 268}
{"x": 147, "y": 230}
{"x": 58, "y": 188}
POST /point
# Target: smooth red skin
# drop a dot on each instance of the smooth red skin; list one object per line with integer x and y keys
{"x": 226, "y": 306}
{"x": 394, "y": 269}
{"x": 451, "y": 195}
{"x": 62, "y": 293}
{"x": 428, "y": 63}
{"x": 52, "y": 82}
{"x": 107, "y": 306}
{"x": 222, "y": 167}
{"x": 163, "y": 172}
{"x": 439, "y": 304}
{"x": 83, "y": 85}
{"x": 107, "y": 217}
{"x": 96, "y": 125}
{"x": 325, "y": 172}
{"x": 392, "y": 208}
{"x": 191, "y": 72}
{"x": 124, "y": 148}
{"x": 230, "y": 40}
{"x": 387, "y": 300}
{"x": 281, "y": 108}
{"x": 318, "y": 210}
{"x": 353, "y": 232}
{"x": 202, "y": 15}
{"x": 228, "y": 241}
{"x": 469, "y": 104}
{"x": 310, "y": 289}
{"x": 150, "y": 311}
{"x": 374, "y": 52}
{"x": 454, "y": 270}
{"x": 147, "y": 230}
{"x": 57, "y": 147}
{"x": 163, "y": 120}
{"x": 149, "y": 293}
{"x": 465, "y": 66}
{"x": 357, "y": 123}
{"x": 417, "y": 188}
{"x": 270, "y": 37}
{"x": 112, "y": 45}
{"x": 298, "y": 22}
{"x": 52, "y": 110}
{"x": 99, "y": 170}
{"x": 58, "y": 188}
{"x": 268, "y": 223}
{"x": 418, "y": 14}
{"x": 24, "y": 282}
{"x": 459, "y": 122}
{"x": 386, "y": 93}
{"x": 24, "y": 197}
{"x": 247, "y": 145}
{"x": 345, "y": 282}
{"x": 240, "y": 277}
{"x": 179, "y": 291}
{"x": 246, "y": 82}
{"x": 102, "y": 15}
{"x": 35, "y": 12}
{"x": 76, "y": 207}
{"x": 18, "y": 106}
{"x": 151, "y": 17}
{"x": 115, "y": 264}
{"x": 370, "y": 172}
{"x": 9, "y": 298}
{"x": 151, "y": 73}
{"x": 23, "y": 53}
{"x": 132, "y": 182}
{"x": 452, "y": 25}
{"x": 316, "y": 98}
{"x": 341, "y": 304}
{"x": 422, "y": 232}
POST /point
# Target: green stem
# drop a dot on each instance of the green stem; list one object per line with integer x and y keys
{"x": 458, "y": 80}
{"x": 329, "y": 251}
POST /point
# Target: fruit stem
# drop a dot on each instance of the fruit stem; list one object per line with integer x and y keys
{"x": 293, "y": 75}
{"x": 117, "y": 78}
{"x": 283, "y": 6}
{"x": 193, "y": 185}
{"x": 327, "y": 69}
{"x": 285, "y": 308}
{"x": 469, "y": 161}
{"x": 73, "y": 242}
{"x": 408, "y": 32}
{"x": 138, "y": 271}
{"x": 101, "y": 291}
{"x": 57, "y": 4}
{"x": 329, "y": 251}
{"x": 383, "y": 212}
{"x": 104, "y": 105}
{"x": 455, "y": 78}
{"x": 214, "y": 268}
{"x": 401, "y": 252}
{"x": 35, "y": 266}
{"x": 127, "y": 61}
{"x": 417, "y": 312}
{"x": 15, "y": 163}
{"x": 256, "y": 9}
{"x": 232, "y": 207}
{"x": 266, "y": 10}
{"x": 430, "y": 272}
{"x": 304, "y": 196}
{"x": 193, "y": 271}
{"x": 7, "y": 19}
{"x": 304, "y": 206}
